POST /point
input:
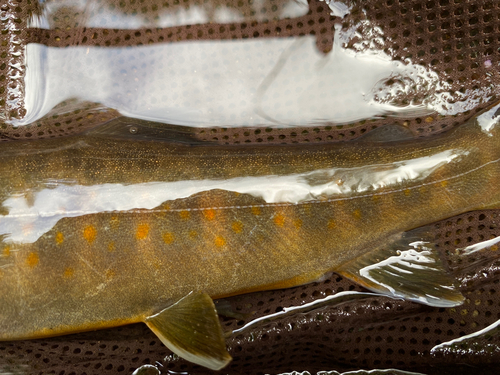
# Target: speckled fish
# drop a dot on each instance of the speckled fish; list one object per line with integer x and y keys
{"x": 105, "y": 228}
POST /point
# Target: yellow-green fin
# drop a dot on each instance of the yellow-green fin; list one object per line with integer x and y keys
{"x": 407, "y": 267}
{"x": 191, "y": 329}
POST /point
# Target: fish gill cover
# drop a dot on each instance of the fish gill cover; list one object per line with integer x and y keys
{"x": 447, "y": 52}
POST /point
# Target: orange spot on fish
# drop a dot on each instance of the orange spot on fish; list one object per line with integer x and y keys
{"x": 331, "y": 224}
{"x": 407, "y": 192}
{"x": 111, "y": 246}
{"x": 357, "y": 214}
{"x": 237, "y": 227}
{"x": 110, "y": 274}
{"x": 193, "y": 233}
{"x": 375, "y": 198}
{"x": 68, "y": 273}
{"x": 444, "y": 183}
{"x": 6, "y": 251}
{"x": 209, "y": 214}
{"x": 89, "y": 233}
{"x": 279, "y": 220}
{"x": 32, "y": 260}
{"x": 185, "y": 215}
{"x": 219, "y": 241}
{"x": 114, "y": 222}
{"x": 297, "y": 223}
{"x": 59, "y": 238}
{"x": 494, "y": 248}
{"x": 142, "y": 231}
{"x": 168, "y": 238}
{"x": 256, "y": 210}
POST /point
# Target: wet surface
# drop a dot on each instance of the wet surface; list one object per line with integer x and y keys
{"x": 456, "y": 45}
{"x": 275, "y": 81}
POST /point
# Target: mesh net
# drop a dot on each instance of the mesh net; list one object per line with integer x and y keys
{"x": 457, "y": 39}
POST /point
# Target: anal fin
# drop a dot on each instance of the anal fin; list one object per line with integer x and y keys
{"x": 191, "y": 329}
{"x": 407, "y": 267}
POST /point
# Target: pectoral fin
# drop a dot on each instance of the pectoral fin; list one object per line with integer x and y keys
{"x": 191, "y": 329}
{"x": 408, "y": 267}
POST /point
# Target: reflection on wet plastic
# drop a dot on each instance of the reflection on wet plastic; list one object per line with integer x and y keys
{"x": 333, "y": 300}
{"x": 259, "y": 82}
{"x": 147, "y": 370}
{"x": 489, "y": 119}
{"x": 483, "y": 342}
{"x": 358, "y": 372}
{"x": 14, "y": 369}
{"x": 153, "y": 370}
{"x": 478, "y": 246}
{"x": 339, "y": 8}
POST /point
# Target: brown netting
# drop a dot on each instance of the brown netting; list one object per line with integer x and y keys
{"x": 458, "y": 39}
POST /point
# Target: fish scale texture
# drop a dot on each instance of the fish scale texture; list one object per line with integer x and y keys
{"x": 459, "y": 39}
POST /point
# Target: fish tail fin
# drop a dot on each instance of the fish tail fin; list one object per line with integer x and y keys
{"x": 191, "y": 329}
{"x": 407, "y": 267}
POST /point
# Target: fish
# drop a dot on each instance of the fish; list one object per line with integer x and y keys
{"x": 133, "y": 222}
